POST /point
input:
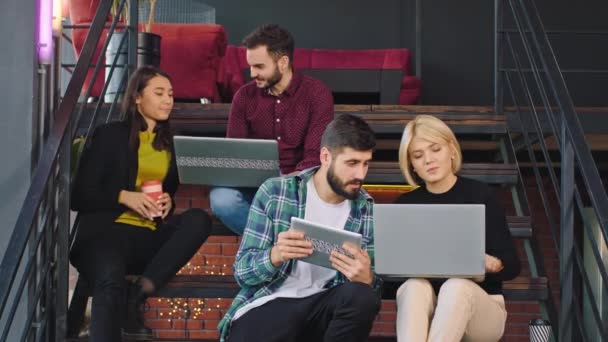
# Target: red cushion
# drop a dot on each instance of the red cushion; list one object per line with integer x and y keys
{"x": 302, "y": 58}
{"x": 409, "y": 96}
{"x": 231, "y": 71}
{"x": 190, "y": 54}
{"x": 411, "y": 90}
{"x": 235, "y": 62}
{"x": 410, "y": 82}
{"x": 83, "y": 11}
{"x": 358, "y": 59}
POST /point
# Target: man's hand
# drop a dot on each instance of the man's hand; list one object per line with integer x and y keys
{"x": 290, "y": 245}
{"x": 139, "y": 203}
{"x": 493, "y": 264}
{"x": 355, "y": 269}
{"x": 165, "y": 204}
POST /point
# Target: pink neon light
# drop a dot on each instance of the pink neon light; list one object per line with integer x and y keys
{"x": 45, "y": 31}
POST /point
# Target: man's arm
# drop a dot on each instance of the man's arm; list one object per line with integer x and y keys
{"x": 322, "y": 112}
{"x": 237, "y": 120}
{"x": 253, "y": 265}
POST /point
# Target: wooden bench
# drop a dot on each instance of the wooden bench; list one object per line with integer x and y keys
{"x": 385, "y": 120}
{"x": 491, "y": 173}
{"x": 206, "y": 286}
{"x": 520, "y": 227}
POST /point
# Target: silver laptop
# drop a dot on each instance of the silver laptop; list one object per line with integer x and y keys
{"x": 429, "y": 240}
{"x": 225, "y": 161}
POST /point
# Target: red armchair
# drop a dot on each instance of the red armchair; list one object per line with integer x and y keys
{"x": 190, "y": 53}
{"x": 234, "y": 68}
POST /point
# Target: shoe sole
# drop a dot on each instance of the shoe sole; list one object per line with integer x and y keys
{"x": 137, "y": 337}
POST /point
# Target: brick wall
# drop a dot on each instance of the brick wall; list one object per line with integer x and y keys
{"x": 217, "y": 255}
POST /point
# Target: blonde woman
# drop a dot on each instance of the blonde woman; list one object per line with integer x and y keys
{"x": 452, "y": 309}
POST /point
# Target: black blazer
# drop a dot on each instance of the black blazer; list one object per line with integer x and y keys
{"x": 108, "y": 166}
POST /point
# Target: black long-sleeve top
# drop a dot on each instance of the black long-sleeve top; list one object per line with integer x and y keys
{"x": 108, "y": 166}
{"x": 498, "y": 237}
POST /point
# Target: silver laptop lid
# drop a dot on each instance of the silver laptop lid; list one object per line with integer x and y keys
{"x": 429, "y": 240}
{"x": 225, "y": 161}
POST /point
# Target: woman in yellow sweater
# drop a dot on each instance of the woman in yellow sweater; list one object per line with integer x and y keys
{"x": 122, "y": 230}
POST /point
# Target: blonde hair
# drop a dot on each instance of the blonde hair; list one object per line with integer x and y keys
{"x": 432, "y": 129}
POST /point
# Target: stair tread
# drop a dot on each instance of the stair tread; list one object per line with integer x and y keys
{"x": 388, "y": 167}
{"x": 384, "y": 119}
{"x": 206, "y": 280}
{"x": 217, "y": 286}
{"x": 520, "y": 226}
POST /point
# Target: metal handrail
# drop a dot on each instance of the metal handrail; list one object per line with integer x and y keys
{"x": 565, "y": 127}
{"x": 39, "y": 243}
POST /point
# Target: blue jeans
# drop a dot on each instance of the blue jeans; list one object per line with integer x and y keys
{"x": 231, "y": 206}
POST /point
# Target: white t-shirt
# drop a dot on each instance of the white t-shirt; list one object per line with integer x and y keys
{"x": 308, "y": 279}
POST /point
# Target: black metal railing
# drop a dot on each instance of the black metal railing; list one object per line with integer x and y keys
{"x": 573, "y": 197}
{"x": 35, "y": 267}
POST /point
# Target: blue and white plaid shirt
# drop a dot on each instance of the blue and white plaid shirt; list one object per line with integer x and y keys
{"x": 276, "y": 201}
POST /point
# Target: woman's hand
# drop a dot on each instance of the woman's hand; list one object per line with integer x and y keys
{"x": 139, "y": 203}
{"x": 165, "y": 204}
{"x": 493, "y": 264}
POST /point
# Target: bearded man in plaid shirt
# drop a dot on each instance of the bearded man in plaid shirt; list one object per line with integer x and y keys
{"x": 283, "y": 299}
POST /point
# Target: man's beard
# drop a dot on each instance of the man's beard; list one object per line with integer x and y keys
{"x": 340, "y": 188}
{"x": 275, "y": 78}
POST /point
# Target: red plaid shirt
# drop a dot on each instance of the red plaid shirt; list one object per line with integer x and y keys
{"x": 296, "y": 119}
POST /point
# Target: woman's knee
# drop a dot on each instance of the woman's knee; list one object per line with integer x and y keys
{"x": 198, "y": 216}
{"x": 196, "y": 220}
{"x": 457, "y": 291}
{"x": 108, "y": 281}
{"x": 416, "y": 287}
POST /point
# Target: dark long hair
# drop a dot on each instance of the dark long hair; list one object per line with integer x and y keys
{"x": 138, "y": 81}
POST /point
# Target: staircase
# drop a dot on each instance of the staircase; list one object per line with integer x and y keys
{"x": 506, "y": 146}
{"x": 206, "y": 284}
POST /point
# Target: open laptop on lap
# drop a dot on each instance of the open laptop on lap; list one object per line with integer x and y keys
{"x": 226, "y": 161}
{"x": 429, "y": 240}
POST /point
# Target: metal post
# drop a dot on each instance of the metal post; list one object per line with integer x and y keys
{"x": 134, "y": 27}
{"x": 567, "y": 239}
{"x": 63, "y": 237}
{"x": 43, "y": 106}
{"x": 55, "y": 80}
{"x": 419, "y": 38}
{"x": 498, "y": 57}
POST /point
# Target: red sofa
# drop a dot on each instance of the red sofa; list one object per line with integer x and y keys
{"x": 234, "y": 68}
{"x": 190, "y": 53}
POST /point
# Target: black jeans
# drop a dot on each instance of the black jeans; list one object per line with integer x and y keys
{"x": 124, "y": 249}
{"x": 343, "y": 313}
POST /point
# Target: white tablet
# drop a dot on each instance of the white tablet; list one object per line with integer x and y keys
{"x": 325, "y": 239}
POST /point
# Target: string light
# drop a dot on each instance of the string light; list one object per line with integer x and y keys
{"x": 191, "y": 308}
{"x": 190, "y": 269}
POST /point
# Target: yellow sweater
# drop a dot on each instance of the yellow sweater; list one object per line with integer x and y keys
{"x": 152, "y": 165}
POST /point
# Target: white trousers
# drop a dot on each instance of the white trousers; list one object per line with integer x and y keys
{"x": 462, "y": 311}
